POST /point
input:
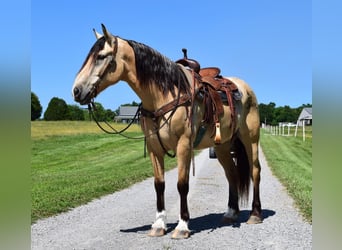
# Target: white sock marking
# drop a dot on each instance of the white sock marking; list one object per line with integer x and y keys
{"x": 231, "y": 213}
{"x": 182, "y": 225}
{"x": 160, "y": 220}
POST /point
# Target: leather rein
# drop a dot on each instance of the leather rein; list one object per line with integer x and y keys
{"x": 141, "y": 112}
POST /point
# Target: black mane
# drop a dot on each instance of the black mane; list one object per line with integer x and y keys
{"x": 153, "y": 67}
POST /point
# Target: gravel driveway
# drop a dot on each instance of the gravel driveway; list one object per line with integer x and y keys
{"x": 122, "y": 220}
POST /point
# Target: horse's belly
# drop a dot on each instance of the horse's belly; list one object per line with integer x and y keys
{"x": 207, "y": 139}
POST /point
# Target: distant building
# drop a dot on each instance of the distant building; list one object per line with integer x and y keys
{"x": 126, "y": 114}
{"x": 305, "y": 117}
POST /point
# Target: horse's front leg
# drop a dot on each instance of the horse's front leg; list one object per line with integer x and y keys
{"x": 183, "y": 159}
{"x": 159, "y": 226}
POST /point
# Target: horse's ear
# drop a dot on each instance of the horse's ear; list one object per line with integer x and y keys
{"x": 97, "y": 34}
{"x": 108, "y": 36}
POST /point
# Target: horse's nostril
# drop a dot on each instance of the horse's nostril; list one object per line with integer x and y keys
{"x": 77, "y": 92}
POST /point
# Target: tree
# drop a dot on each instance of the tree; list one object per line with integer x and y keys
{"x": 272, "y": 115}
{"x": 75, "y": 113}
{"x": 266, "y": 112}
{"x": 36, "y": 108}
{"x": 110, "y": 115}
{"x": 57, "y": 110}
{"x": 102, "y": 114}
{"x": 99, "y": 112}
{"x": 285, "y": 114}
{"x": 134, "y": 103}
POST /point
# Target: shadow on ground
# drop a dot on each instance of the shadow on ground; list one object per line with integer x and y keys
{"x": 204, "y": 223}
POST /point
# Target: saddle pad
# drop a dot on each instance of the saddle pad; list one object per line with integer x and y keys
{"x": 237, "y": 95}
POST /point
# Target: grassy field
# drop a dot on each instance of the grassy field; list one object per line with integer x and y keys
{"x": 44, "y": 129}
{"x": 74, "y": 162}
{"x": 290, "y": 159}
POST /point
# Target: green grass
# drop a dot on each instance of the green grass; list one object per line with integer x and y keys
{"x": 73, "y": 163}
{"x": 45, "y": 129}
{"x": 290, "y": 159}
{"x": 73, "y": 169}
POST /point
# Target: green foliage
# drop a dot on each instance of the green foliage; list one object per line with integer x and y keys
{"x": 272, "y": 115}
{"x": 266, "y": 112}
{"x": 57, "y": 110}
{"x": 110, "y": 115}
{"x": 134, "y": 103}
{"x": 75, "y": 113}
{"x": 36, "y": 108}
{"x": 103, "y": 114}
{"x": 100, "y": 112}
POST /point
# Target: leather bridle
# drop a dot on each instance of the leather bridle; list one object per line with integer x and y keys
{"x": 110, "y": 66}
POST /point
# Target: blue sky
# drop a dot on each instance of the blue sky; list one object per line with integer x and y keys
{"x": 267, "y": 43}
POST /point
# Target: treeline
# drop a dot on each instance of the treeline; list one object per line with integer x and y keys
{"x": 58, "y": 109}
{"x": 272, "y": 115}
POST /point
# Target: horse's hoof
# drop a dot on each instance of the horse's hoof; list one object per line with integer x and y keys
{"x": 231, "y": 216}
{"x": 157, "y": 232}
{"x": 180, "y": 234}
{"x": 229, "y": 220}
{"x": 253, "y": 219}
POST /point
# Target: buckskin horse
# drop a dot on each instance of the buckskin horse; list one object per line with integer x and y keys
{"x": 181, "y": 112}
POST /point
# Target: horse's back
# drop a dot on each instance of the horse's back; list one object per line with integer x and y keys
{"x": 249, "y": 108}
{"x": 246, "y": 91}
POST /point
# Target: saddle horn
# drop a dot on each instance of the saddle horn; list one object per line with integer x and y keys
{"x": 191, "y": 63}
{"x": 185, "y": 52}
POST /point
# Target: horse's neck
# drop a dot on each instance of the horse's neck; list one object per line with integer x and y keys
{"x": 151, "y": 96}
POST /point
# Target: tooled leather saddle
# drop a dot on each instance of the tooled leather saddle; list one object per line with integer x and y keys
{"x": 214, "y": 90}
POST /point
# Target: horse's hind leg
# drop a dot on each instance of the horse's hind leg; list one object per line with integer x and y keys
{"x": 224, "y": 156}
{"x": 253, "y": 124}
{"x": 250, "y": 141}
{"x": 256, "y": 214}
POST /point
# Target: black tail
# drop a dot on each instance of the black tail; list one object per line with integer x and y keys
{"x": 243, "y": 170}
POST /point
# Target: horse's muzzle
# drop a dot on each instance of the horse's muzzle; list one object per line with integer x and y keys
{"x": 79, "y": 96}
{"x": 77, "y": 93}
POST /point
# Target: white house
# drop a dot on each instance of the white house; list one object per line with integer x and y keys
{"x": 305, "y": 117}
{"x": 126, "y": 114}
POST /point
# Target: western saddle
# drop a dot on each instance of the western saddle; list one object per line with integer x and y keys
{"x": 213, "y": 90}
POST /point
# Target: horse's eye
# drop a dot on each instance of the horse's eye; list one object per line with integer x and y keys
{"x": 101, "y": 57}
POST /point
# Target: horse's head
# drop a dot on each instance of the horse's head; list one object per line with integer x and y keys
{"x": 101, "y": 68}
